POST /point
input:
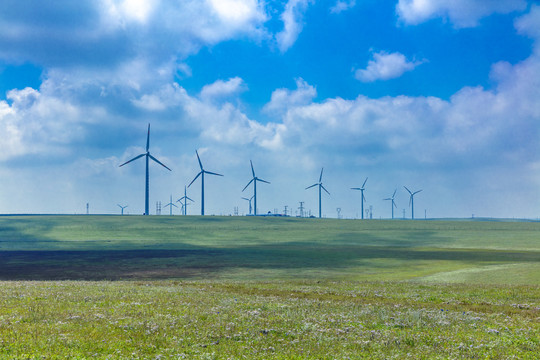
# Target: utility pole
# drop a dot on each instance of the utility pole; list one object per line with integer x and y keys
{"x": 87, "y": 208}
{"x": 301, "y": 208}
{"x": 285, "y": 211}
{"x": 338, "y": 213}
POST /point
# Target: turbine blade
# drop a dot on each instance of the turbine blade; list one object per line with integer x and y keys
{"x": 410, "y": 200}
{"x": 252, "y": 197}
{"x": 250, "y": 181}
{"x": 408, "y": 190}
{"x": 325, "y": 189}
{"x": 364, "y": 182}
{"x": 192, "y": 181}
{"x": 394, "y": 193}
{"x": 393, "y": 203}
{"x": 356, "y": 189}
{"x": 252, "y": 171}
{"x": 309, "y": 187}
{"x": 261, "y": 180}
{"x": 320, "y": 177}
{"x": 198, "y": 158}
{"x": 148, "y": 138}
{"x": 387, "y": 199}
{"x": 212, "y": 173}
{"x": 135, "y": 158}
{"x": 416, "y": 192}
{"x": 364, "y": 198}
{"x": 174, "y": 205}
{"x": 190, "y": 199}
{"x": 159, "y": 162}
{"x": 246, "y": 199}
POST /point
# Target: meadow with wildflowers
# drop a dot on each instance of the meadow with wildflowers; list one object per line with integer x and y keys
{"x": 111, "y": 287}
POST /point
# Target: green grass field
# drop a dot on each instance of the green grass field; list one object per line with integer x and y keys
{"x": 246, "y": 287}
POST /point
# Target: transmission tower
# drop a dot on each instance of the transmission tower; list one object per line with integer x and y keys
{"x": 301, "y": 208}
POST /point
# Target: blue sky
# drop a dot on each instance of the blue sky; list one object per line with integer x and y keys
{"x": 434, "y": 95}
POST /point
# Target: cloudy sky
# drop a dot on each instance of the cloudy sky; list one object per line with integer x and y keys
{"x": 439, "y": 95}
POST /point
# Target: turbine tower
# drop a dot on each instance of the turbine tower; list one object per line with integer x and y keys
{"x": 148, "y": 156}
{"x": 249, "y": 203}
{"x": 122, "y": 207}
{"x": 411, "y": 200}
{"x": 170, "y": 205}
{"x": 184, "y": 204}
{"x": 201, "y": 174}
{"x": 363, "y": 199}
{"x": 393, "y": 203}
{"x": 321, "y": 186}
{"x": 254, "y": 181}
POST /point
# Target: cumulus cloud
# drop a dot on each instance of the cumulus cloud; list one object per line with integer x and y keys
{"x": 476, "y": 135}
{"x": 461, "y": 13}
{"x": 292, "y": 18}
{"x": 386, "y": 66}
{"x": 221, "y": 89}
{"x": 109, "y": 32}
{"x": 38, "y": 124}
{"x": 342, "y": 5}
{"x": 283, "y": 99}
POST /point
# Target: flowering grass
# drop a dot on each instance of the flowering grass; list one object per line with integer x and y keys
{"x": 259, "y": 288}
{"x": 267, "y": 320}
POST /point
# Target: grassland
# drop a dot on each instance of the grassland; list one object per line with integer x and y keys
{"x": 217, "y": 287}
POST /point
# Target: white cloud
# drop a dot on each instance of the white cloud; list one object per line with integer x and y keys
{"x": 283, "y": 99}
{"x": 35, "y": 123}
{"x": 221, "y": 89}
{"x": 93, "y": 116}
{"x": 342, "y": 5}
{"x": 462, "y": 13}
{"x": 529, "y": 24}
{"x": 134, "y": 10}
{"x": 292, "y": 18}
{"x": 386, "y": 66}
{"x": 110, "y": 32}
{"x": 238, "y": 11}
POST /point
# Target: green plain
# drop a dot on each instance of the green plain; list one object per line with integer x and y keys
{"x": 251, "y": 287}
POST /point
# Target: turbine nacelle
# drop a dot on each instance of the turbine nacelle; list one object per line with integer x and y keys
{"x": 254, "y": 180}
{"x": 148, "y": 156}
{"x": 201, "y": 173}
{"x": 321, "y": 186}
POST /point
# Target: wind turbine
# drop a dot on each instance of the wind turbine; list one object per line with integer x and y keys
{"x": 249, "y": 203}
{"x": 201, "y": 174}
{"x": 254, "y": 181}
{"x": 363, "y": 199}
{"x": 122, "y": 207}
{"x": 393, "y": 202}
{"x": 411, "y": 200}
{"x": 148, "y": 156}
{"x": 321, "y": 186}
{"x": 170, "y": 205}
{"x": 184, "y": 204}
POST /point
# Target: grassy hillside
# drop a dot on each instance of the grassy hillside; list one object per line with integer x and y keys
{"x": 254, "y": 248}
